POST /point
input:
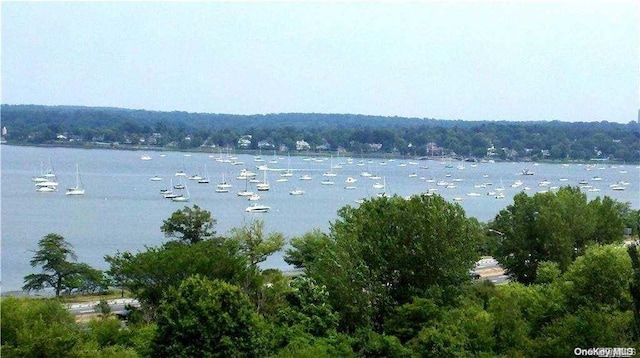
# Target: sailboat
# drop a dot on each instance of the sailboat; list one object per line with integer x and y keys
{"x": 181, "y": 173}
{"x": 287, "y": 173}
{"x": 380, "y": 185}
{"x": 47, "y": 183}
{"x": 39, "y": 178}
{"x": 274, "y": 160}
{"x": 205, "y": 179}
{"x": 223, "y": 186}
{"x": 264, "y": 186}
{"x": 330, "y": 173}
{"x": 182, "y": 198}
{"x": 246, "y": 191}
{"x": 77, "y": 190}
{"x": 196, "y": 176}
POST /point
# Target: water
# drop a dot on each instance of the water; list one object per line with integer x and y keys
{"x": 123, "y": 210}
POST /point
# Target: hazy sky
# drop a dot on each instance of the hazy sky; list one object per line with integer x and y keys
{"x": 568, "y": 61}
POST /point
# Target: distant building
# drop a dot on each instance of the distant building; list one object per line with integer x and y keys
{"x": 491, "y": 151}
{"x": 302, "y": 145}
{"x": 263, "y": 144}
{"x": 375, "y": 146}
{"x": 433, "y": 149}
{"x": 4, "y": 131}
{"x": 245, "y": 141}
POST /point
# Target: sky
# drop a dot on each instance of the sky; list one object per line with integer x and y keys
{"x": 575, "y": 61}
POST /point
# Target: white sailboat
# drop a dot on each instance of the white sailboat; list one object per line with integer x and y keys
{"x": 205, "y": 179}
{"x": 39, "y": 178}
{"x": 330, "y": 173}
{"x": 196, "y": 176}
{"x": 168, "y": 193}
{"x": 78, "y": 189}
{"x": 182, "y": 198}
{"x": 264, "y": 186}
{"x": 379, "y": 185}
{"x": 287, "y": 173}
{"x": 246, "y": 191}
{"x": 223, "y": 186}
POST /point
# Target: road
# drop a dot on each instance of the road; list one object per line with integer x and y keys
{"x": 88, "y": 308}
{"x": 489, "y": 269}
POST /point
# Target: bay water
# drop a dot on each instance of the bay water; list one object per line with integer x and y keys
{"x": 123, "y": 210}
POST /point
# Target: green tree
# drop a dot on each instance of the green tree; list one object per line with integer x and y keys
{"x": 388, "y": 250}
{"x": 253, "y": 243}
{"x": 190, "y": 225}
{"x": 54, "y": 257}
{"x": 587, "y": 327}
{"x": 148, "y": 274}
{"x": 87, "y": 280}
{"x": 552, "y": 227}
{"x": 309, "y": 308}
{"x": 600, "y": 278}
{"x": 634, "y": 289}
{"x": 204, "y": 318}
{"x": 38, "y": 328}
{"x": 306, "y": 249}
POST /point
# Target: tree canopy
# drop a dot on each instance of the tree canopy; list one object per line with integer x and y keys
{"x": 57, "y": 259}
{"x": 388, "y": 250}
{"x": 538, "y": 140}
{"x": 552, "y": 226}
{"x": 190, "y": 225}
{"x": 206, "y": 318}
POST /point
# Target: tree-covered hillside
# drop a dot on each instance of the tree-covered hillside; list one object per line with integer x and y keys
{"x": 86, "y": 126}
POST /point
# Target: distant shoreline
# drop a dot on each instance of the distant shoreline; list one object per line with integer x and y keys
{"x": 209, "y": 150}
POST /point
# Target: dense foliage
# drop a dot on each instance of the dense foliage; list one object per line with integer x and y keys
{"x": 59, "y": 271}
{"x": 553, "y": 226}
{"x": 389, "y": 279}
{"x": 552, "y": 140}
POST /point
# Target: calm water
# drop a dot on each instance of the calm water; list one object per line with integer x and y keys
{"x": 123, "y": 210}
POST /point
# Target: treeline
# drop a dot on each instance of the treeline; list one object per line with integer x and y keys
{"x": 357, "y": 134}
{"x": 390, "y": 278}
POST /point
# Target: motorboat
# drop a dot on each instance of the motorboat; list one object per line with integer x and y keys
{"x": 46, "y": 189}
{"x": 257, "y": 208}
{"x": 297, "y": 192}
{"x": 350, "y": 180}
